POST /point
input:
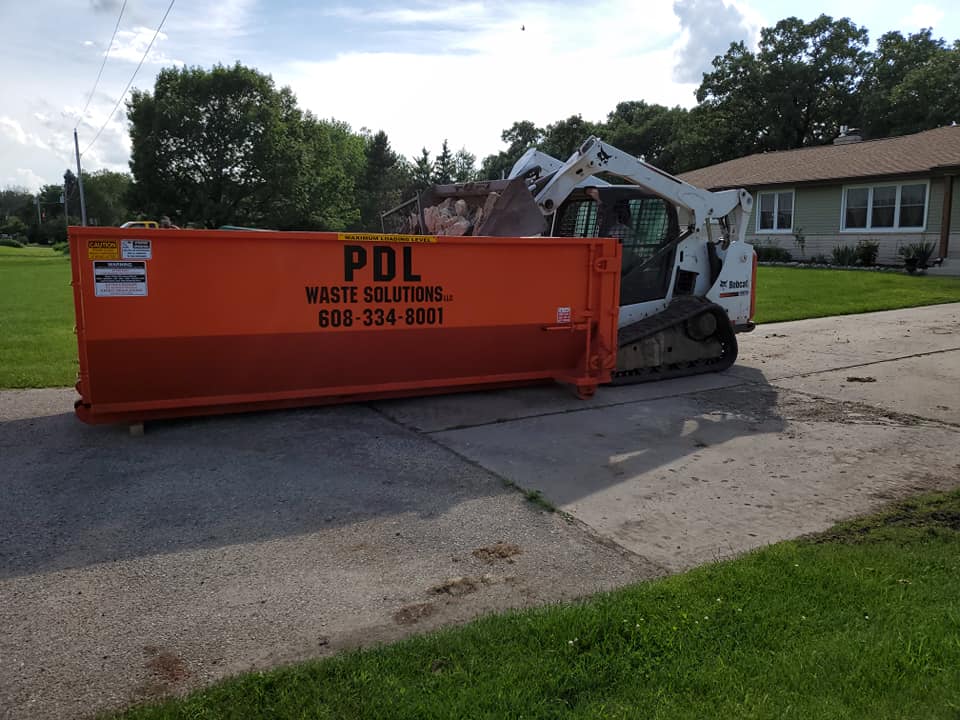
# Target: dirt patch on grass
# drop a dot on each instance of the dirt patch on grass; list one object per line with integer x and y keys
{"x": 166, "y": 665}
{"x": 498, "y": 551}
{"x": 929, "y": 513}
{"x": 411, "y": 614}
{"x": 457, "y": 586}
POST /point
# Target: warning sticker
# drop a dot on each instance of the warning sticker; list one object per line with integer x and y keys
{"x": 136, "y": 249}
{"x": 103, "y": 250}
{"x": 563, "y": 315}
{"x": 120, "y": 279}
{"x": 380, "y": 237}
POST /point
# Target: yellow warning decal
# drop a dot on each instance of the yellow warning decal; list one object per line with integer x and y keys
{"x": 381, "y": 237}
{"x": 103, "y": 250}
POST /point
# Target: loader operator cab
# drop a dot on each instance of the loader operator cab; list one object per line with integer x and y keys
{"x": 644, "y": 224}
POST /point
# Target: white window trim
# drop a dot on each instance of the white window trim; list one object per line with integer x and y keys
{"x": 896, "y": 212}
{"x": 776, "y": 203}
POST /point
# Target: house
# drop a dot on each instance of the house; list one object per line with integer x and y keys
{"x": 891, "y": 191}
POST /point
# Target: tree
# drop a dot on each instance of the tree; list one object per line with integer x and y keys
{"x": 70, "y": 190}
{"x": 13, "y": 226}
{"x": 325, "y": 192}
{"x": 910, "y": 84}
{"x": 464, "y": 166}
{"x": 214, "y": 147}
{"x": 382, "y": 181}
{"x": 797, "y": 90}
{"x": 20, "y": 203}
{"x": 520, "y": 137}
{"x": 443, "y": 168}
{"x": 422, "y": 171}
{"x": 108, "y": 195}
{"x": 647, "y": 131}
{"x": 562, "y": 138}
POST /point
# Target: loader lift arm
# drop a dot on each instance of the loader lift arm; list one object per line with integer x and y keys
{"x": 701, "y": 207}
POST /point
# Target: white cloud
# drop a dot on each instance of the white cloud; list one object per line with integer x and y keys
{"x": 213, "y": 23}
{"x": 458, "y": 14}
{"x": 130, "y": 45}
{"x": 13, "y": 129}
{"x": 922, "y": 15}
{"x": 709, "y": 28}
{"x": 469, "y": 86}
{"x": 24, "y": 177}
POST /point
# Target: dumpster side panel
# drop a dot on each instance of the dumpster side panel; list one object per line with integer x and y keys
{"x": 215, "y": 321}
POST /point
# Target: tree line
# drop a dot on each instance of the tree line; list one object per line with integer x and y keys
{"x": 226, "y": 146}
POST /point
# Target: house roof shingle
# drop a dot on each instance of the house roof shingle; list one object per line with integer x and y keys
{"x": 921, "y": 152}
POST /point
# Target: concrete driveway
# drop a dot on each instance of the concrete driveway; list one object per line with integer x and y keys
{"x": 132, "y": 568}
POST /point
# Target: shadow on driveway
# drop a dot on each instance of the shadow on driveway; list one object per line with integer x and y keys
{"x": 73, "y": 495}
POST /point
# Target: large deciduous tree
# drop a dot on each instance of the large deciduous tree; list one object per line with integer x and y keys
{"x": 108, "y": 196}
{"x": 562, "y": 138}
{"x": 912, "y": 84}
{"x": 797, "y": 89}
{"x": 218, "y": 146}
{"x": 647, "y": 131}
{"x": 520, "y": 137}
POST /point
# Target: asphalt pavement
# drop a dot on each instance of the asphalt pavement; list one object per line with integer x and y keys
{"x": 133, "y": 568}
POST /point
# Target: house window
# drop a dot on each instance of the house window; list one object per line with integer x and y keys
{"x": 885, "y": 207}
{"x": 775, "y": 212}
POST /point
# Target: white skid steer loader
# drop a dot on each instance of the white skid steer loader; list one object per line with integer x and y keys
{"x": 688, "y": 278}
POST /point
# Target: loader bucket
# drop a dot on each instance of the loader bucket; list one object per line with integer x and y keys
{"x": 499, "y": 208}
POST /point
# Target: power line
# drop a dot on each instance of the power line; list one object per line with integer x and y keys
{"x": 139, "y": 65}
{"x": 103, "y": 64}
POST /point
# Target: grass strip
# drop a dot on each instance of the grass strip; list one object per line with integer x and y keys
{"x": 862, "y": 621}
{"x": 37, "y": 344}
{"x": 798, "y": 293}
{"x": 38, "y": 347}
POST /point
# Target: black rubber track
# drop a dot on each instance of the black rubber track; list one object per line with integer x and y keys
{"x": 677, "y": 312}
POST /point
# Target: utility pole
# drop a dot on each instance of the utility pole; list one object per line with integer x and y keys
{"x": 39, "y": 219}
{"x": 66, "y": 206}
{"x": 83, "y": 200}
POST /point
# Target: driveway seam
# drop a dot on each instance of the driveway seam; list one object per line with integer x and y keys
{"x": 570, "y": 519}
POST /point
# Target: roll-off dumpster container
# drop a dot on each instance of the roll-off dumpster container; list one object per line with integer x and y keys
{"x": 187, "y": 322}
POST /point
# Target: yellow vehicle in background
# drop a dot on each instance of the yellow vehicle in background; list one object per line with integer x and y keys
{"x": 150, "y": 224}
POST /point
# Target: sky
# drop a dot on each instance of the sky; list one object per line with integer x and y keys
{"x": 421, "y": 70}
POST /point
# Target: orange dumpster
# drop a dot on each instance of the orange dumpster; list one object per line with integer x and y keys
{"x": 187, "y": 322}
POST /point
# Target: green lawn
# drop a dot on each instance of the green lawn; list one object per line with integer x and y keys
{"x": 862, "y": 622}
{"x": 37, "y": 344}
{"x": 796, "y": 293}
{"x": 38, "y": 347}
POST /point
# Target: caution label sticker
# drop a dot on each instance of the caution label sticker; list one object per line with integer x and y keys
{"x": 103, "y": 250}
{"x": 120, "y": 279}
{"x": 563, "y": 315}
{"x": 136, "y": 249}
{"x": 381, "y": 237}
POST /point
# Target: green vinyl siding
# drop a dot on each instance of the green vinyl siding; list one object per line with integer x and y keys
{"x": 818, "y": 209}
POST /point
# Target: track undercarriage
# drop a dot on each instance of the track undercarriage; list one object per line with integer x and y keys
{"x": 691, "y": 336}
